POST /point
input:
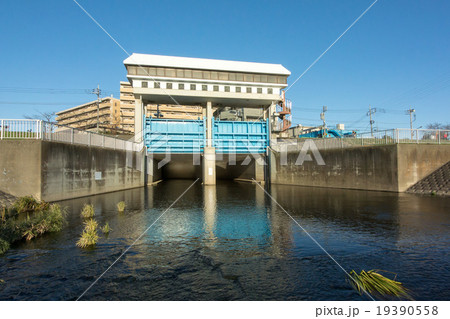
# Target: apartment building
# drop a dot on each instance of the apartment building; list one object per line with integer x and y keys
{"x": 106, "y": 114}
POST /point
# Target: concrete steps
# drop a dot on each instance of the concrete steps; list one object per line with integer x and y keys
{"x": 437, "y": 182}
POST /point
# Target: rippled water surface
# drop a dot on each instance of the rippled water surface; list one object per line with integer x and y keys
{"x": 231, "y": 242}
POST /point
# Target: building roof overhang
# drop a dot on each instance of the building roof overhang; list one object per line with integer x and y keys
{"x": 205, "y": 64}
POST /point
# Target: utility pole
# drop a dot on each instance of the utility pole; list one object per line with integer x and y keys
{"x": 370, "y": 113}
{"x": 411, "y": 111}
{"x": 322, "y": 116}
{"x": 97, "y": 92}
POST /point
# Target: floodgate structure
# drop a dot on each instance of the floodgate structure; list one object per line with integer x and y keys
{"x": 208, "y": 119}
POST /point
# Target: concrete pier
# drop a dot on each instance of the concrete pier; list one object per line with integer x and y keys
{"x": 209, "y": 166}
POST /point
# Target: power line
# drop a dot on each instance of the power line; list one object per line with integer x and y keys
{"x": 30, "y": 90}
{"x": 40, "y": 103}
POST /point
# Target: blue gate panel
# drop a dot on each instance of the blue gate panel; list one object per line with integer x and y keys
{"x": 174, "y": 136}
{"x": 240, "y": 137}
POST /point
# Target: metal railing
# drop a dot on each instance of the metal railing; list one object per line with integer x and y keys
{"x": 385, "y": 137}
{"x": 406, "y": 136}
{"x": 42, "y": 130}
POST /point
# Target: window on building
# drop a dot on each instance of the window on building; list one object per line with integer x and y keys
{"x": 248, "y": 78}
{"x": 214, "y": 76}
{"x": 216, "y": 88}
{"x": 259, "y": 90}
{"x": 272, "y": 79}
{"x": 170, "y": 73}
{"x": 282, "y": 79}
{"x": 257, "y": 78}
{"x": 223, "y": 76}
{"x": 157, "y": 85}
{"x": 132, "y": 70}
{"x": 151, "y": 71}
{"x": 206, "y": 75}
{"x": 232, "y": 76}
{"x": 264, "y": 78}
{"x": 239, "y": 77}
{"x": 193, "y": 87}
{"x": 160, "y": 71}
{"x": 181, "y": 86}
{"x": 197, "y": 74}
{"x": 142, "y": 70}
{"x": 238, "y": 89}
{"x": 169, "y": 86}
{"x": 227, "y": 88}
{"x": 180, "y": 73}
{"x": 249, "y": 90}
{"x": 144, "y": 84}
{"x": 204, "y": 87}
{"x": 269, "y": 91}
{"x": 188, "y": 73}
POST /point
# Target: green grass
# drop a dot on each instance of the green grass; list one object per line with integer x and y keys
{"x": 18, "y": 135}
{"x": 378, "y": 285}
{"x": 106, "y": 229}
{"x": 87, "y": 211}
{"x": 27, "y": 204}
{"x": 28, "y": 219}
{"x": 45, "y": 222}
{"x": 121, "y": 206}
{"x": 89, "y": 236}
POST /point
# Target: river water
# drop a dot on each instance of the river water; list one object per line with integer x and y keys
{"x": 232, "y": 242}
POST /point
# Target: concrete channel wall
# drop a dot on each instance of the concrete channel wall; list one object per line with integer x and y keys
{"x": 54, "y": 171}
{"x": 383, "y": 168}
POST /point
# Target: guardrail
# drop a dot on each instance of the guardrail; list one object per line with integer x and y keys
{"x": 385, "y": 137}
{"x": 403, "y": 135}
{"x": 47, "y": 131}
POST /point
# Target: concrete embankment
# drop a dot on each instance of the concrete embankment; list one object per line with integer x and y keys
{"x": 437, "y": 183}
{"x": 53, "y": 171}
{"x": 383, "y": 168}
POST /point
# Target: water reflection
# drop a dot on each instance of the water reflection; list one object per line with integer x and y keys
{"x": 231, "y": 242}
{"x": 210, "y": 211}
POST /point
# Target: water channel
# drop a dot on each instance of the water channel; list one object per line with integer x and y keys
{"x": 232, "y": 242}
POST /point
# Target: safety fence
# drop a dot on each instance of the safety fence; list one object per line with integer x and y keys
{"x": 47, "y": 131}
{"x": 385, "y": 137}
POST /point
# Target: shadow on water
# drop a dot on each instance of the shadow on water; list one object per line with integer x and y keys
{"x": 231, "y": 242}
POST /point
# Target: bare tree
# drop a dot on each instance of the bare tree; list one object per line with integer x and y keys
{"x": 44, "y": 116}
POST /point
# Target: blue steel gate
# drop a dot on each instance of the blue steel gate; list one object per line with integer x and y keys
{"x": 189, "y": 136}
{"x": 174, "y": 136}
{"x": 240, "y": 137}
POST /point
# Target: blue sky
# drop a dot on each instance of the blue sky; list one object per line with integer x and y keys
{"x": 395, "y": 57}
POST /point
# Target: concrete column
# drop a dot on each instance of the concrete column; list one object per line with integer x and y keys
{"x": 259, "y": 169}
{"x": 209, "y": 116}
{"x": 209, "y": 166}
{"x": 138, "y": 119}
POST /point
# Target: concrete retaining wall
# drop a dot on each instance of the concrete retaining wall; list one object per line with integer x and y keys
{"x": 54, "y": 171}
{"x": 20, "y": 162}
{"x": 384, "y": 168}
{"x": 418, "y": 161}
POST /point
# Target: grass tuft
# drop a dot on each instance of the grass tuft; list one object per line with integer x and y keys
{"x": 89, "y": 236}
{"x": 121, "y": 206}
{"x": 45, "y": 218}
{"x": 87, "y": 211}
{"x": 379, "y": 285}
{"x": 106, "y": 229}
{"x": 28, "y": 204}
